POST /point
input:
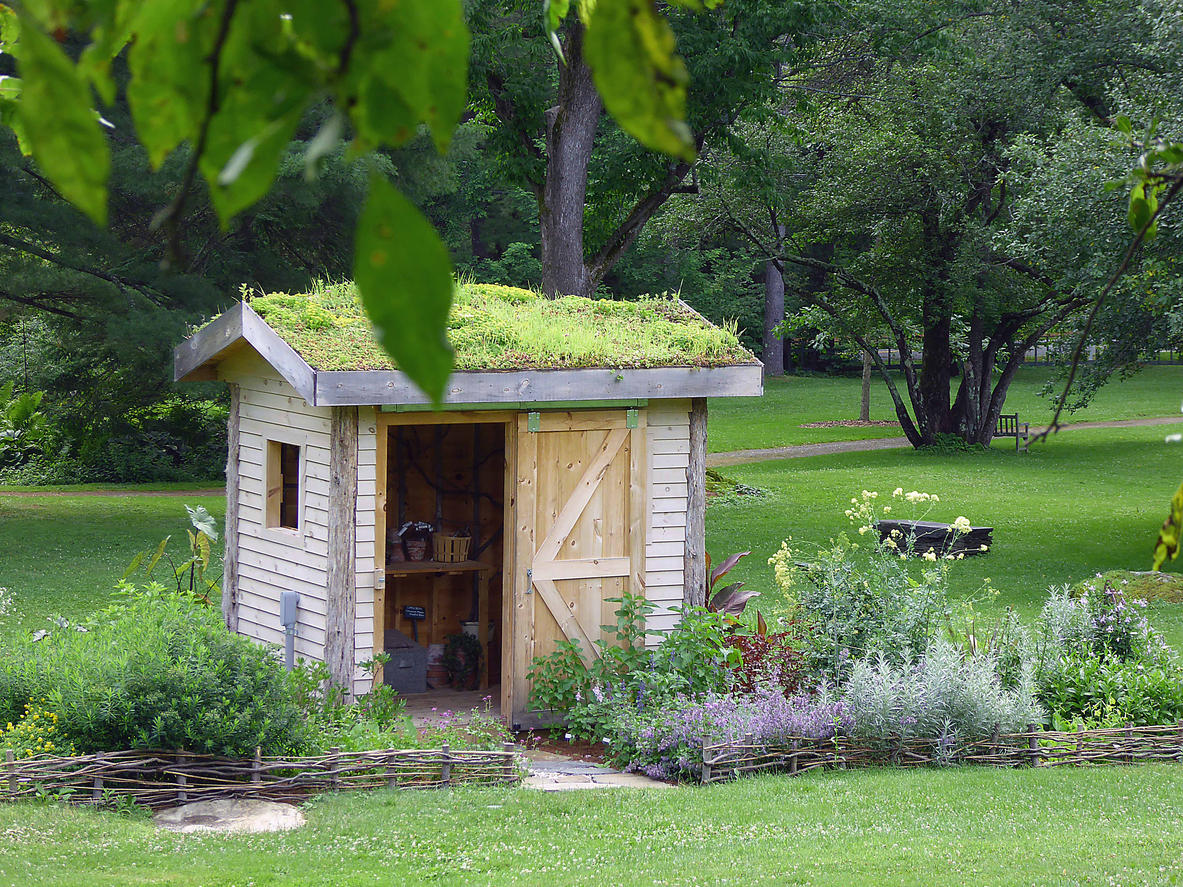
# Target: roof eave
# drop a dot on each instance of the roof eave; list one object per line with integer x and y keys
{"x": 388, "y": 387}
{"x": 196, "y": 355}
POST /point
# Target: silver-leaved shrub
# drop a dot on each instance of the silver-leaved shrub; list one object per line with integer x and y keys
{"x": 941, "y": 695}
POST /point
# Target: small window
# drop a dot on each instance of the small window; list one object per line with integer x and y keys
{"x": 283, "y": 485}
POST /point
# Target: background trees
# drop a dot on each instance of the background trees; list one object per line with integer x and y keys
{"x": 932, "y": 175}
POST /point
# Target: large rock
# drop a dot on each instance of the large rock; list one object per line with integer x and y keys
{"x": 231, "y": 815}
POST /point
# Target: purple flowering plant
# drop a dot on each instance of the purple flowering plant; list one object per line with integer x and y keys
{"x": 666, "y": 741}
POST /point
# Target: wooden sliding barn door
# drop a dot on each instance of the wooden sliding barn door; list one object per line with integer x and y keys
{"x": 581, "y": 508}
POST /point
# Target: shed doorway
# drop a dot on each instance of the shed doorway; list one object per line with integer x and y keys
{"x": 441, "y": 530}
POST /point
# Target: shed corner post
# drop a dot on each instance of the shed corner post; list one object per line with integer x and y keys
{"x": 341, "y": 604}
{"x": 694, "y": 568}
{"x": 230, "y": 552}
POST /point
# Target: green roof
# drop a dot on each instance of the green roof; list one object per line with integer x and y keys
{"x": 504, "y": 328}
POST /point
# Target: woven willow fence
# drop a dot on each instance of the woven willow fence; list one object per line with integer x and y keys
{"x": 167, "y": 779}
{"x": 1033, "y": 748}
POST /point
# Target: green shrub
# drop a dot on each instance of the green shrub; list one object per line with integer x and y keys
{"x": 157, "y": 671}
{"x": 1083, "y": 689}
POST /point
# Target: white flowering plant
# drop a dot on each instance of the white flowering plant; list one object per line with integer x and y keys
{"x": 858, "y": 596}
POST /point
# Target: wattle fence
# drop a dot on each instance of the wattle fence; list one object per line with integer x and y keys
{"x": 166, "y": 779}
{"x": 1034, "y": 748}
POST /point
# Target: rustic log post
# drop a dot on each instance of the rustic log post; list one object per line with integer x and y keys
{"x": 706, "y": 762}
{"x": 994, "y": 744}
{"x": 446, "y": 765}
{"x": 340, "y": 653}
{"x": 230, "y": 531}
{"x": 96, "y": 791}
{"x": 391, "y": 773}
{"x": 257, "y": 767}
{"x": 334, "y": 768}
{"x": 1129, "y": 740}
{"x": 694, "y": 576}
{"x": 182, "y": 779}
{"x": 1033, "y": 745}
{"x": 793, "y": 759}
{"x": 10, "y": 766}
{"x": 510, "y": 753}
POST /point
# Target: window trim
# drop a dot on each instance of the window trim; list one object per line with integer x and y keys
{"x": 273, "y": 481}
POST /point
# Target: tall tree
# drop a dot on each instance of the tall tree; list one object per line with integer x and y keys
{"x": 912, "y": 175}
{"x": 596, "y": 189}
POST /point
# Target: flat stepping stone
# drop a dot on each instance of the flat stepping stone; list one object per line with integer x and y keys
{"x": 244, "y": 816}
{"x": 565, "y": 776}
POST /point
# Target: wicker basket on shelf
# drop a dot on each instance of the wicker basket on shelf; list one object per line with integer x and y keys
{"x": 451, "y": 549}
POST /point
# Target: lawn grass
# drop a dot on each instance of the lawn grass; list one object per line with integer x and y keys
{"x": 1085, "y": 502}
{"x": 159, "y": 487}
{"x": 774, "y": 420}
{"x": 63, "y": 554}
{"x": 959, "y": 826}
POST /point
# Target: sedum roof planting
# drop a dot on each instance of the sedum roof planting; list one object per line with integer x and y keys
{"x": 495, "y": 327}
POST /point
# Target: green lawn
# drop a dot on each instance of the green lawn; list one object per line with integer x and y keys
{"x": 1085, "y": 502}
{"x": 932, "y": 827}
{"x": 63, "y": 554}
{"x": 774, "y": 420}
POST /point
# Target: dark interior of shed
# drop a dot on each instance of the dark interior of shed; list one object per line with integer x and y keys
{"x": 451, "y": 478}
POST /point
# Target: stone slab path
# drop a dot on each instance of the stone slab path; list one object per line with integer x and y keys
{"x": 798, "y": 451}
{"x": 553, "y": 773}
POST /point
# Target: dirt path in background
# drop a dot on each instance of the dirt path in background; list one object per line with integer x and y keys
{"x": 213, "y": 491}
{"x": 798, "y": 451}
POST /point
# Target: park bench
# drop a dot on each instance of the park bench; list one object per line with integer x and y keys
{"x": 1010, "y": 426}
{"x": 939, "y": 538}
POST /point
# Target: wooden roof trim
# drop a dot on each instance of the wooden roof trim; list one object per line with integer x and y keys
{"x": 241, "y": 324}
{"x": 380, "y": 387}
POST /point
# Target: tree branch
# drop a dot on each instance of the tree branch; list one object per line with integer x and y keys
{"x": 40, "y": 305}
{"x": 171, "y": 214}
{"x": 626, "y": 232}
{"x": 63, "y": 262}
{"x": 1054, "y": 424}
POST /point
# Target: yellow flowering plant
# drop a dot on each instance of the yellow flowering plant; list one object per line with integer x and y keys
{"x": 36, "y": 733}
{"x": 863, "y": 596}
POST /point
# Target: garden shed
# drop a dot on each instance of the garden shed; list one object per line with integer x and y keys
{"x": 565, "y": 466}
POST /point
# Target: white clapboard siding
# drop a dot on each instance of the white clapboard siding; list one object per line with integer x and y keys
{"x": 668, "y": 443}
{"x": 272, "y": 561}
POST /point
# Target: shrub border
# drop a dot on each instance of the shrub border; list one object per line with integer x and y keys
{"x": 166, "y": 778}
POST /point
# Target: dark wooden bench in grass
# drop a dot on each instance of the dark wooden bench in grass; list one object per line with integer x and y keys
{"x": 1010, "y": 426}
{"x": 932, "y": 536}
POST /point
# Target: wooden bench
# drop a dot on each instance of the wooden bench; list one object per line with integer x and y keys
{"x": 922, "y": 536}
{"x": 1010, "y": 426}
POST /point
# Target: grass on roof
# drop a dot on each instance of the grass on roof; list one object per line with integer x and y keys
{"x": 503, "y": 328}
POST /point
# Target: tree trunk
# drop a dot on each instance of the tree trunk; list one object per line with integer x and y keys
{"x": 936, "y": 373}
{"x": 864, "y": 411}
{"x": 774, "y": 314}
{"x": 570, "y": 134}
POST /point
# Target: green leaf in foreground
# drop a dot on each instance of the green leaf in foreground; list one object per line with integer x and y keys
{"x": 59, "y": 124}
{"x": 404, "y": 276}
{"x": 641, "y": 78}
